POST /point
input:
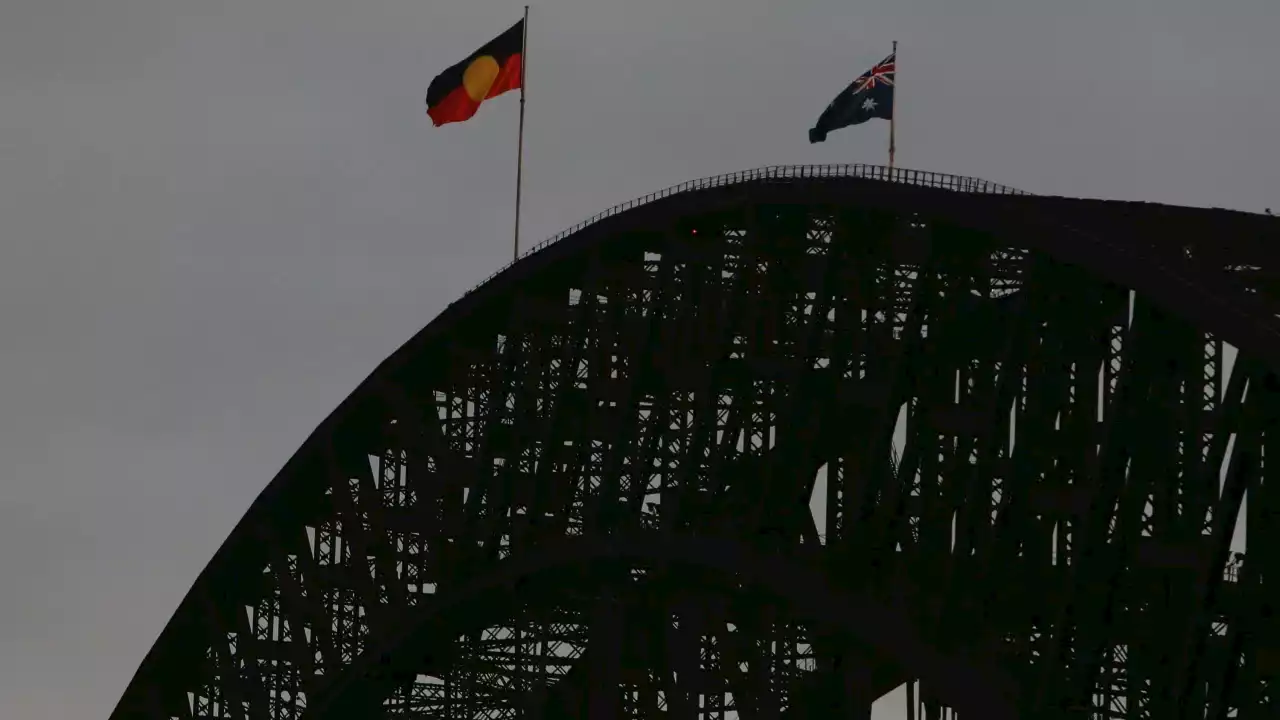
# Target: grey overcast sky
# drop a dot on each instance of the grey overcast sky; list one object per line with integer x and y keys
{"x": 217, "y": 217}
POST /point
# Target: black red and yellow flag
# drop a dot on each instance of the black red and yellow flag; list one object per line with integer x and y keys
{"x": 455, "y": 94}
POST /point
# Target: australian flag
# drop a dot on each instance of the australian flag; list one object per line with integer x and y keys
{"x": 870, "y": 96}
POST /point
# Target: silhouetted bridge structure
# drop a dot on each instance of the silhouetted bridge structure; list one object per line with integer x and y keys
{"x": 650, "y": 470}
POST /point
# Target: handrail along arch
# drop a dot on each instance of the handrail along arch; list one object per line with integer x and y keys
{"x": 884, "y": 173}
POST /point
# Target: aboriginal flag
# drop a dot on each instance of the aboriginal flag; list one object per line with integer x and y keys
{"x": 495, "y": 68}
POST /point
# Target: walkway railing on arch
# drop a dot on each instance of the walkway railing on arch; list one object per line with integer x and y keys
{"x": 883, "y": 173}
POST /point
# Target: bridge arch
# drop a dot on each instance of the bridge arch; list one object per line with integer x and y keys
{"x": 402, "y": 412}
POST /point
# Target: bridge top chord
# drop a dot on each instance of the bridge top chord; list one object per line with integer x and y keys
{"x": 883, "y": 173}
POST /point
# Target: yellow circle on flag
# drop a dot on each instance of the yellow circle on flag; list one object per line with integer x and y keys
{"x": 479, "y": 77}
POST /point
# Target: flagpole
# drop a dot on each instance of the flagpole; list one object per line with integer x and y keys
{"x": 893, "y": 113}
{"x": 524, "y": 57}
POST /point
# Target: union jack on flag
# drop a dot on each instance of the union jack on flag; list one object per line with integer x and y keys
{"x": 881, "y": 73}
{"x": 870, "y": 96}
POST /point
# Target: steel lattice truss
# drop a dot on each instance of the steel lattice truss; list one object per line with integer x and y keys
{"x": 651, "y": 471}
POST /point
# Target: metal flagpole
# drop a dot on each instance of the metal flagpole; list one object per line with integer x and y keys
{"x": 524, "y": 57}
{"x": 893, "y": 113}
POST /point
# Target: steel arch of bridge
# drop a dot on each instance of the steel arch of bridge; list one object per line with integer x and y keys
{"x": 783, "y": 173}
{"x": 1205, "y": 270}
{"x": 795, "y": 578}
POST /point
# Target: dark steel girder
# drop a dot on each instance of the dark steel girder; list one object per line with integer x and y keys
{"x": 1205, "y": 295}
{"x": 773, "y": 499}
{"x": 969, "y": 685}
